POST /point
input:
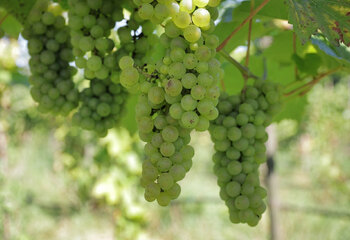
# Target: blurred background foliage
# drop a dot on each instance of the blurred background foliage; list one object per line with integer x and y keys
{"x": 60, "y": 182}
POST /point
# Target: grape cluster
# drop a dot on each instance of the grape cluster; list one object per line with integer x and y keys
{"x": 239, "y": 135}
{"x": 169, "y": 157}
{"x": 188, "y": 74}
{"x": 102, "y": 106}
{"x": 50, "y": 50}
{"x": 179, "y": 92}
{"x": 91, "y": 22}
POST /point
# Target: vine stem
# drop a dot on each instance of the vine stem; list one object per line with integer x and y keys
{"x": 4, "y": 18}
{"x": 307, "y": 86}
{"x": 223, "y": 85}
{"x": 296, "y": 73}
{"x": 245, "y": 21}
{"x": 244, "y": 70}
{"x": 247, "y": 58}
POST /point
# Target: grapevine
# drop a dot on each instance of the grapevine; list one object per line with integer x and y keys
{"x": 85, "y": 65}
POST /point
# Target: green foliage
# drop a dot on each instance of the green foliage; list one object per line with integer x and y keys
{"x": 274, "y": 9}
{"x": 11, "y": 26}
{"x": 334, "y": 55}
{"x": 20, "y": 9}
{"x": 63, "y": 3}
{"x": 331, "y": 17}
{"x": 308, "y": 64}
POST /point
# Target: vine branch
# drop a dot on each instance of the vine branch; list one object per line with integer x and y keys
{"x": 247, "y": 58}
{"x": 307, "y": 86}
{"x": 296, "y": 73}
{"x": 244, "y": 70}
{"x": 3, "y": 18}
{"x": 245, "y": 21}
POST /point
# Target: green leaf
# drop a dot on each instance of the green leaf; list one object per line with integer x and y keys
{"x": 339, "y": 54}
{"x": 281, "y": 48}
{"x": 312, "y": 63}
{"x": 233, "y": 79}
{"x": 274, "y": 9}
{"x": 63, "y": 3}
{"x": 223, "y": 29}
{"x": 128, "y": 121}
{"x": 279, "y": 72}
{"x": 293, "y": 109}
{"x": 308, "y": 64}
{"x": 332, "y": 18}
{"x": 11, "y": 26}
{"x": 19, "y": 9}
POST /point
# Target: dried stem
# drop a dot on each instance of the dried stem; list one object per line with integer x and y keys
{"x": 251, "y": 15}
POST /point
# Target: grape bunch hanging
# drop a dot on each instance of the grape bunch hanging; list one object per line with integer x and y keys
{"x": 239, "y": 135}
{"x": 164, "y": 51}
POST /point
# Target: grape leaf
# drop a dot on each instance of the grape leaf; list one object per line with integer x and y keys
{"x": 19, "y": 9}
{"x": 274, "y": 9}
{"x": 10, "y": 25}
{"x": 62, "y": 3}
{"x": 293, "y": 109}
{"x": 308, "y": 64}
{"x": 339, "y": 54}
{"x": 128, "y": 120}
{"x": 233, "y": 79}
{"x": 331, "y": 17}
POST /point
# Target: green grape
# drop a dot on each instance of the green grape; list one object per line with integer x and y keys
{"x": 177, "y": 54}
{"x": 146, "y": 11}
{"x": 94, "y": 63}
{"x": 190, "y": 62}
{"x": 178, "y": 172}
{"x": 189, "y": 119}
{"x": 201, "y": 3}
{"x": 201, "y": 17}
{"x": 233, "y": 189}
{"x": 173, "y": 87}
{"x": 163, "y": 199}
{"x": 86, "y": 44}
{"x": 171, "y": 30}
{"x": 177, "y": 70}
{"x": 188, "y": 103}
{"x": 189, "y": 80}
{"x": 170, "y": 134}
{"x": 242, "y": 202}
{"x": 182, "y": 19}
{"x": 129, "y": 77}
{"x": 192, "y": 33}
{"x": 167, "y": 149}
{"x": 156, "y": 95}
{"x": 203, "y": 124}
{"x": 214, "y": 3}
{"x": 174, "y": 191}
